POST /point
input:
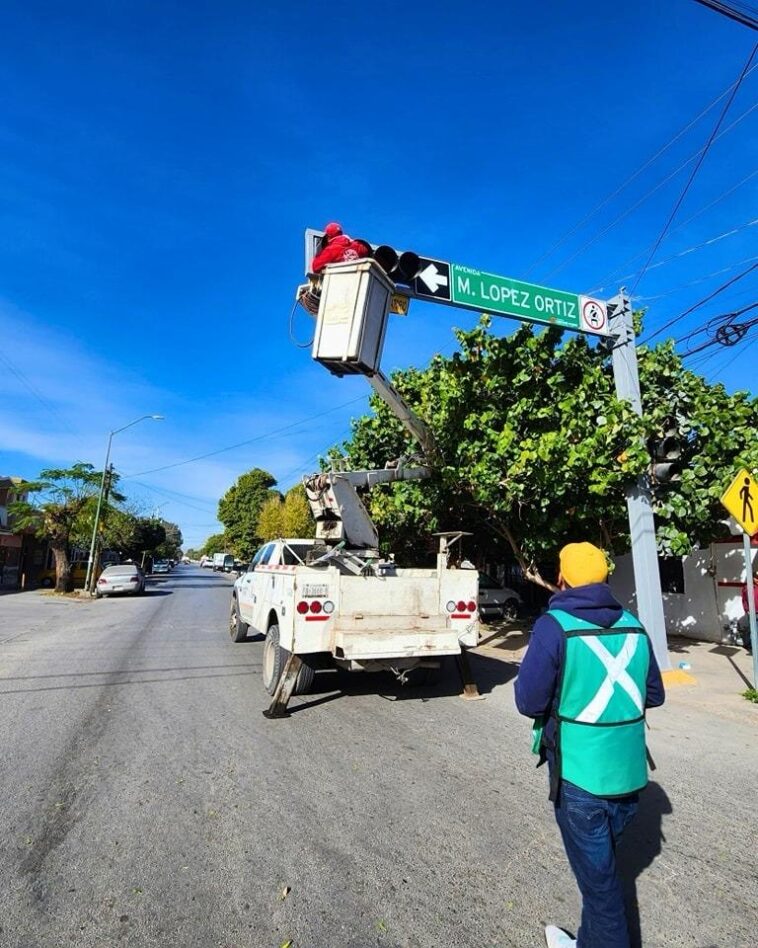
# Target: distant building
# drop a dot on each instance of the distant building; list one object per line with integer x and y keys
{"x": 11, "y": 540}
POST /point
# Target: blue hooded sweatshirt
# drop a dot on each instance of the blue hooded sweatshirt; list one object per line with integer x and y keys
{"x": 538, "y": 677}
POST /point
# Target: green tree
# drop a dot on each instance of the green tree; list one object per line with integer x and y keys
{"x": 297, "y": 520}
{"x": 171, "y": 547}
{"x": 216, "y": 543}
{"x": 240, "y": 508}
{"x": 62, "y": 512}
{"x": 271, "y": 519}
{"x": 537, "y": 450}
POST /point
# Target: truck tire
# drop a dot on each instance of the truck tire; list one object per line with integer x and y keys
{"x": 510, "y": 610}
{"x": 237, "y": 628}
{"x": 275, "y": 658}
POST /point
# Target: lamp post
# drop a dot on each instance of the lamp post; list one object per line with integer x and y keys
{"x": 90, "y": 562}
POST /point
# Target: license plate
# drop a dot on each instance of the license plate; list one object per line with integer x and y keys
{"x": 315, "y": 591}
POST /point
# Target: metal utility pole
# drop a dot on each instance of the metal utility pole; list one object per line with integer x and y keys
{"x": 88, "y": 581}
{"x": 647, "y": 579}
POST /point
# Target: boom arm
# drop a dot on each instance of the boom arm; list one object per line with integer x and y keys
{"x": 410, "y": 420}
{"x": 338, "y": 510}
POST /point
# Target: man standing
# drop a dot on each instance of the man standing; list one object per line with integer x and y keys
{"x": 587, "y": 677}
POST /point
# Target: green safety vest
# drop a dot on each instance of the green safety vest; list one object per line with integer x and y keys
{"x": 600, "y": 706}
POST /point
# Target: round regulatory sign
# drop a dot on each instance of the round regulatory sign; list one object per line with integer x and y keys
{"x": 593, "y": 315}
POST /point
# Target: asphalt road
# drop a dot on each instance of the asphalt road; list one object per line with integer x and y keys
{"x": 145, "y": 801}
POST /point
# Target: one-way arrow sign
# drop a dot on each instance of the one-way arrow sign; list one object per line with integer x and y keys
{"x": 433, "y": 279}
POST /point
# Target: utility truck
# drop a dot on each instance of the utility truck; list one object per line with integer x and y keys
{"x": 335, "y": 598}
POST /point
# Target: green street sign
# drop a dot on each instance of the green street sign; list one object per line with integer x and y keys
{"x": 456, "y": 285}
{"x": 526, "y": 301}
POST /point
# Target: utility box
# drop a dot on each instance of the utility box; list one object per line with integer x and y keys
{"x": 352, "y": 317}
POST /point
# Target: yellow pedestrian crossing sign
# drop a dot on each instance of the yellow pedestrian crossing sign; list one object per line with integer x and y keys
{"x": 741, "y": 500}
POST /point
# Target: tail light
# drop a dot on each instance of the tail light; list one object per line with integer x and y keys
{"x": 472, "y": 606}
{"x": 461, "y": 605}
{"x": 315, "y": 607}
{"x": 302, "y": 607}
{"x": 134, "y": 579}
{"x": 450, "y": 606}
{"x": 328, "y": 607}
{"x": 102, "y": 582}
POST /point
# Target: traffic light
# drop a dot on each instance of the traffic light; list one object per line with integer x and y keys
{"x": 666, "y": 451}
{"x": 401, "y": 267}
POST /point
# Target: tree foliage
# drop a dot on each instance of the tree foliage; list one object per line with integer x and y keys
{"x": 216, "y": 543}
{"x": 296, "y": 514}
{"x": 536, "y": 449}
{"x": 62, "y": 512}
{"x": 240, "y": 508}
{"x": 271, "y": 519}
{"x": 170, "y": 547}
{"x": 290, "y": 517}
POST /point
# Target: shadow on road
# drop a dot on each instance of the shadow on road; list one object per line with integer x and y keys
{"x": 639, "y": 848}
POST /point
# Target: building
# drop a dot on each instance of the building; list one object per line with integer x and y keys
{"x": 11, "y": 540}
{"x": 702, "y": 592}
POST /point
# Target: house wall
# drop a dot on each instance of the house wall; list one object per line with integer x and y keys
{"x": 713, "y": 581}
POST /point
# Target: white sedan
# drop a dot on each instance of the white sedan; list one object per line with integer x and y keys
{"x": 120, "y": 579}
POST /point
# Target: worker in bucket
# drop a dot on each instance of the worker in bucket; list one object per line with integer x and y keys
{"x": 587, "y": 678}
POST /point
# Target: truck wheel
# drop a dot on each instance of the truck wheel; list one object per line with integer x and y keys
{"x": 510, "y": 610}
{"x": 237, "y": 628}
{"x": 275, "y": 658}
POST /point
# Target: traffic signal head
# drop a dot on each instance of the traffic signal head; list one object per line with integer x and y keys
{"x": 666, "y": 451}
{"x": 400, "y": 267}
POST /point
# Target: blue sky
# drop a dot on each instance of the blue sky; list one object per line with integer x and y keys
{"x": 159, "y": 163}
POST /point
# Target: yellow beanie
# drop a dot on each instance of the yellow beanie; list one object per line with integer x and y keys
{"x": 582, "y": 564}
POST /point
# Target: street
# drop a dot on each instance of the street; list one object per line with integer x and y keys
{"x": 146, "y": 801}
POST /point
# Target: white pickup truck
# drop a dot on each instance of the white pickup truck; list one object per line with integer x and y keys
{"x": 385, "y": 619}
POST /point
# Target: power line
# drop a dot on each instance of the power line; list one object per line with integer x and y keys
{"x": 702, "y": 279}
{"x": 716, "y": 292}
{"x": 241, "y": 444}
{"x": 645, "y": 196}
{"x": 628, "y": 181}
{"x": 38, "y": 395}
{"x": 612, "y": 277}
{"x": 731, "y": 12}
{"x": 698, "y": 165}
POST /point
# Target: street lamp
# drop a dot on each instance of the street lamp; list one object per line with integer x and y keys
{"x": 91, "y": 560}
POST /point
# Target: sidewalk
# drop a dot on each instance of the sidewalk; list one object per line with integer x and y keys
{"x": 719, "y": 673}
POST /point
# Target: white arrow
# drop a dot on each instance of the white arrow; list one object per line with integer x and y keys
{"x": 432, "y": 277}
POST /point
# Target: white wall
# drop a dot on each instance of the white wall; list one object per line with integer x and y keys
{"x": 705, "y": 607}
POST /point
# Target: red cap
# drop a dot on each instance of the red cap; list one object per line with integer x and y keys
{"x": 333, "y": 230}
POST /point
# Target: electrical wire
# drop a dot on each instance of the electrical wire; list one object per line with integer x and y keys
{"x": 707, "y": 299}
{"x": 14, "y": 370}
{"x": 714, "y": 322}
{"x": 733, "y": 12}
{"x": 645, "y": 196}
{"x": 628, "y": 181}
{"x": 702, "y": 279}
{"x": 241, "y": 444}
{"x": 614, "y": 278}
{"x": 698, "y": 165}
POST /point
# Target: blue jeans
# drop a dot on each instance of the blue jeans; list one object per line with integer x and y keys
{"x": 591, "y": 827}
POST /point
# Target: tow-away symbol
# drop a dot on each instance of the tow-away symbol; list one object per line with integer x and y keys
{"x": 432, "y": 278}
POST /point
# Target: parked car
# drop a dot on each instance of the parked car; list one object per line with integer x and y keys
{"x": 46, "y": 578}
{"x": 207, "y": 563}
{"x": 127, "y": 578}
{"x": 496, "y": 601}
{"x": 161, "y": 566}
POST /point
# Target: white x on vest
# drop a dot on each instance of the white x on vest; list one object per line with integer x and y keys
{"x": 616, "y": 666}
